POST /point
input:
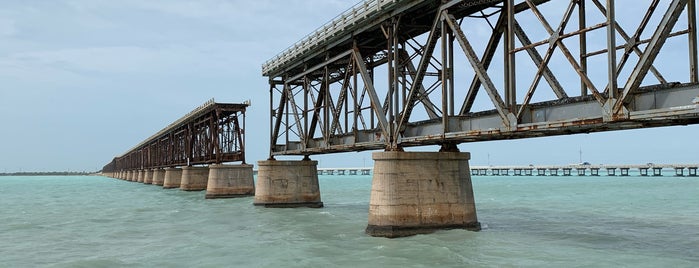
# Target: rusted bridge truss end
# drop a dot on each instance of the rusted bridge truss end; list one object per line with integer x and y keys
{"x": 213, "y": 133}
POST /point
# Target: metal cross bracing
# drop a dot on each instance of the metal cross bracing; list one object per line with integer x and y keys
{"x": 211, "y": 134}
{"x": 393, "y": 74}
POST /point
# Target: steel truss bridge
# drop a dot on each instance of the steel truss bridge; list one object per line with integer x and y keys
{"x": 388, "y": 74}
{"x": 213, "y": 133}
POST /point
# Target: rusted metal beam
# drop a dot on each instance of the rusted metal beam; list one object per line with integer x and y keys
{"x": 373, "y": 97}
{"x": 479, "y": 68}
{"x": 644, "y": 63}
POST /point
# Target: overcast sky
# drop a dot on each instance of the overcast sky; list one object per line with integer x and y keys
{"x": 82, "y": 81}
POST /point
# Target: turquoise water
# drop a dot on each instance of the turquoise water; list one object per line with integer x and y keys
{"x": 528, "y": 222}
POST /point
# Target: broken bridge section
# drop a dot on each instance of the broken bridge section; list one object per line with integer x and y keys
{"x": 213, "y": 133}
{"x": 190, "y": 153}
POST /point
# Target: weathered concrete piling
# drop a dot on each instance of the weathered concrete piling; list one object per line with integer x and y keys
{"x": 194, "y": 178}
{"x": 287, "y": 184}
{"x": 227, "y": 181}
{"x": 420, "y": 192}
{"x": 158, "y": 176}
{"x": 173, "y": 177}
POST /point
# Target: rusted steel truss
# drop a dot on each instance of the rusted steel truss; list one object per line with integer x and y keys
{"x": 211, "y": 134}
{"x": 410, "y": 73}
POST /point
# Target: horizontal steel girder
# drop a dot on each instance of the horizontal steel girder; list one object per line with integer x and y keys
{"x": 677, "y": 105}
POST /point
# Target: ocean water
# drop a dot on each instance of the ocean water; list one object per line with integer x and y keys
{"x": 528, "y": 222}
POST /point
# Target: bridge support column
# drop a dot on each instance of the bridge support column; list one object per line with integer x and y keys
{"x": 287, "y": 184}
{"x": 226, "y": 181}
{"x": 194, "y": 178}
{"x": 134, "y": 175}
{"x": 158, "y": 177}
{"x": 173, "y": 177}
{"x": 139, "y": 175}
{"x": 148, "y": 176}
{"x": 420, "y": 192}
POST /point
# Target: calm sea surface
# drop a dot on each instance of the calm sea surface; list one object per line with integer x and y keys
{"x": 528, "y": 222}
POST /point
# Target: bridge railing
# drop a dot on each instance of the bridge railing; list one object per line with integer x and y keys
{"x": 338, "y": 24}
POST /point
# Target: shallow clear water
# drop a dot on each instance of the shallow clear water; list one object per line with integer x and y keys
{"x": 528, "y": 222}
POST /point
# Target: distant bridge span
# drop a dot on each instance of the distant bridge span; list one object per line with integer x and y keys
{"x": 388, "y": 74}
{"x": 213, "y": 133}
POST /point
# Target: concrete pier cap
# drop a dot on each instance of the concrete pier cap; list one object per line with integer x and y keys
{"x": 173, "y": 177}
{"x": 158, "y": 176}
{"x": 285, "y": 184}
{"x": 148, "y": 176}
{"x": 194, "y": 178}
{"x": 140, "y": 175}
{"x": 420, "y": 192}
{"x": 229, "y": 181}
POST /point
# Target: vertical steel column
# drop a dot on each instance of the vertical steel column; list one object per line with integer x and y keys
{"x": 582, "y": 21}
{"x": 326, "y": 101}
{"x": 390, "y": 48}
{"x": 450, "y": 44}
{"x": 287, "y": 127}
{"x": 396, "y": 82}
{"x": 306, "y": 92}
{"x": 445, "y": 77}
{"x": 347, "y": 96}
{"x": 271, "y": 117}
{"x": 242, "y": 147}
{"x": 611, "y": 50}
{"x": 509, "y": 56}
{"x": 692, "y": 21}
{"x": 357, "y": 109}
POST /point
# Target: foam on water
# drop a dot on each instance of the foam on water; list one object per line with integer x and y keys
{"x": 527, "y": 222}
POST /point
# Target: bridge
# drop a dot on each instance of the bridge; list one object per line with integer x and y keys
{"x": 391, "y": 74}
{"x": 584, "y": 170}
{"x": 189, "y": 154}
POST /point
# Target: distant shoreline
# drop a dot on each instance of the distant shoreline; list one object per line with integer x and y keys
{"x": 51, "y": 173}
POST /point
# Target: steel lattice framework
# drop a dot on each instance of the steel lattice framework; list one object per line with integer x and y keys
{"x": 387, "y": 74}
{"x": 211, "y": 134}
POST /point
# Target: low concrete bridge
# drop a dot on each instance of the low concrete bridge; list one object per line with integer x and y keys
{"x": 190, "y": 153}
{"x": 344, "y": 171}
{"x": 585, "y": 170}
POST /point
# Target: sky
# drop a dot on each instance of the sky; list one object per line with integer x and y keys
{"x": 82, "y": 81}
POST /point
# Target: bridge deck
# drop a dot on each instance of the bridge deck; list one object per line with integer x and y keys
{"x": 363, "y": 21}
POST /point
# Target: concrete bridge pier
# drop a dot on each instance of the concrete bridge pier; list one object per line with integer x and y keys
{"x": 173, "y": 177}
{"x": 134, "y": 175}
{"x": 148, "y": 176}
{"x": 420, "y": 192}
{"x": 140, "y": 175}
{"x": 194, "y": 178}
{"x": 287, "y": 184}
{"x": 227, "y": 181}
{"x": 158, "y": 176}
